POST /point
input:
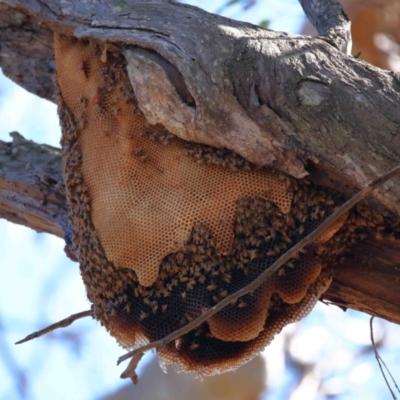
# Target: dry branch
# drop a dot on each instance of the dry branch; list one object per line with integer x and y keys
{"x": 60, "y": 324}
{"x": 381, "y": 363}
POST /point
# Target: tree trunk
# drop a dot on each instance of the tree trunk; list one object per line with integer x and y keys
{"x": 292, "y": 102}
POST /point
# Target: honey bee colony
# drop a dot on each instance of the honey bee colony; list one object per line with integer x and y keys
{"x": 165, "y": 229}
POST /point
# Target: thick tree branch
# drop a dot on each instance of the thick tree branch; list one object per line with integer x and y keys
{"x": 31, "y": 186}
{"x": 368, "y": 279}
{"x": 330, "y": 21}
{"x": 26, "y": 52}
{"x": 289, "y": 101}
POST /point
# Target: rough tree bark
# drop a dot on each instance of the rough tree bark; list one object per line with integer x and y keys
{"x": 296, "y": 103}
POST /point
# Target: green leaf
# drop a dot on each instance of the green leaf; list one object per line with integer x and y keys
{"x": 265, "y": 23}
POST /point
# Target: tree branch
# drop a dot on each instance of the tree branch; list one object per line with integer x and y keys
{"x": 26, "y": 53}
{"x": 31, "y": 186}
{"x": 60, "y": 324}
{"x": 292, "y": 102}
{"x": 330, "y": 21}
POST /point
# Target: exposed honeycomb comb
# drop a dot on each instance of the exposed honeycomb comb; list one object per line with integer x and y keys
{"x": 165, "y": 230}
{"x": 147, "y": 195}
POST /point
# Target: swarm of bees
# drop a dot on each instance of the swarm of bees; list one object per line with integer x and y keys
{"x": 165, "y": 229}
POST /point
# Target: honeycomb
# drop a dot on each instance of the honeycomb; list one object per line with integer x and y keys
{"x": 166, "y": 229}
{"x": 146, "y": 193}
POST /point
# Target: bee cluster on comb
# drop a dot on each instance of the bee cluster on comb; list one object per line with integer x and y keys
{"x": 165, "y": 229}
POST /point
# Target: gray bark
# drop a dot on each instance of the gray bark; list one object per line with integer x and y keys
{"x": 292, "y": 102}
{"x": 330, "y": 21}
{"x": 31, "y": 186}
{"x": 26, "y": 52}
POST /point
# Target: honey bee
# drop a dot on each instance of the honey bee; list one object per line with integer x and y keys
{"x": 180, "y": 256}
{"x": 198, "y": 258}
{"x": 165, "y": 138}
{"x": 189, "y": 317}
{"x": 154, "y": 308}
{"x": 141, "y": 154}
{"x": 147, "y": 301}
{"x": 196, "y": 273}
{"x": 211, "y": 287}
{"x": 194, "y": 346}
{"x": 198, "y": 332}
{"x": 192, "y": 281}
{"x": 143, "y": 315}
{"x": 113, "y": 313}
{"x": 253, "y": 254}
{"x": 85, "y": 68}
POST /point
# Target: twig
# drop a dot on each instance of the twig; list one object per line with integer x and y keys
{"x": 60, "y": 324}
{"x": 330, "y": 21}
{"x": 266, "y": 274}
{"x": 130, "y": 371}
{"x": 381, "y": 362}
